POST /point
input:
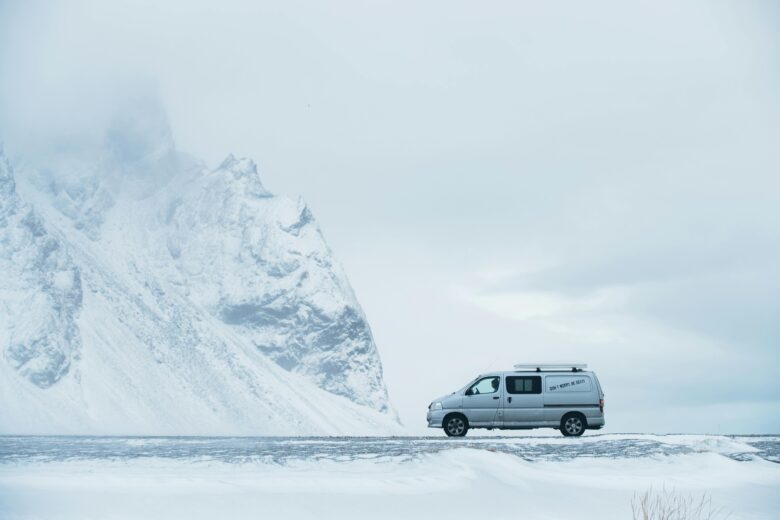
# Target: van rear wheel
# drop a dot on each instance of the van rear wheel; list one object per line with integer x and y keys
{"x": 573, "y": 425}
{"x": 456, "y": 426}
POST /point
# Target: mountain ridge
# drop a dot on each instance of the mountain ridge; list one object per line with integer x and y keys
{"x": 207, "y": 283}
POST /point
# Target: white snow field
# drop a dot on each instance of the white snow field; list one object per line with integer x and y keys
{"x": 393, "y": 478}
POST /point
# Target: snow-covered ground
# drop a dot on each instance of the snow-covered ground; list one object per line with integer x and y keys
{"x": 529, "y": 477}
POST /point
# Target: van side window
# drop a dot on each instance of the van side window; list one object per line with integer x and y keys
{"x": 524, "y": 385}
{"x": 486, "y": 385}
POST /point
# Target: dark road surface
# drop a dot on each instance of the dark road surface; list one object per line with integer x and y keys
{"x": 280, "y": 450}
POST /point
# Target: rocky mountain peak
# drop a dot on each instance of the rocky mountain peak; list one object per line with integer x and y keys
{"x": 244, "y": 171}
{"x": 201, "y": 304}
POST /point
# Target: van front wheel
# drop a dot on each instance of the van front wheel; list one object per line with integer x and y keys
{"x": 456, "y": 426}
{"x": 573, "y": 425}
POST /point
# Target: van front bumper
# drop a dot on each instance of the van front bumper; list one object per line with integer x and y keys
{"x": 435, "y": 418}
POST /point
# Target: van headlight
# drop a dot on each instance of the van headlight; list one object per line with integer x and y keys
{"x": 435, "y": 406}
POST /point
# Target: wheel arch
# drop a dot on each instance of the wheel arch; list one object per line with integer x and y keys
{"x": 575, "y": 412}
{"x": 453, "y": 414}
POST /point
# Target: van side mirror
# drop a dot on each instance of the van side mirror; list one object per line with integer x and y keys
{"x": 469, "y": 392}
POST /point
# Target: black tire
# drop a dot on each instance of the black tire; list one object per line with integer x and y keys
{"x": 456, "y": 425}
{"x": 573, "y": 424}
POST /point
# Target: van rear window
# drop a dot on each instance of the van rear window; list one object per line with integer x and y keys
{"x": 560, "y": 384}
{"x": 524, "y": 385}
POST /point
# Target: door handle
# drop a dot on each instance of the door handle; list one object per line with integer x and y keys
{"x": 495, "y": 397}
{"x": 509, "y": 399}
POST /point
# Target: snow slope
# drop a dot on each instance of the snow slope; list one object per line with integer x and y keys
{"x": 41, "y": 288}
{"x": 144, "y": 293}
{"x": 462, "y": 482}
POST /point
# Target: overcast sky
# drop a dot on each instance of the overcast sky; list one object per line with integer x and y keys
{"x": 503, "y": 181}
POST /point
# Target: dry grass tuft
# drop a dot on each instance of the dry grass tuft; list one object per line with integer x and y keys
{"x": 668, "y": 504}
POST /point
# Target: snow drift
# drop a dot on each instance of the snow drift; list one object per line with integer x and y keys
{"x": 162, "y": 478}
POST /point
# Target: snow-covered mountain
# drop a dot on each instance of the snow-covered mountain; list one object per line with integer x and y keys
{"x": 142, "y": 292}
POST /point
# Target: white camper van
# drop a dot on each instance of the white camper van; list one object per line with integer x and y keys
{"x": 563, "y": 396}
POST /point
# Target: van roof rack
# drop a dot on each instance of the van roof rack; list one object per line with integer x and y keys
{"x": 574, "y": 367}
